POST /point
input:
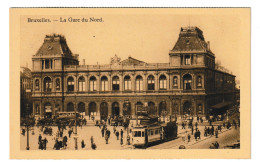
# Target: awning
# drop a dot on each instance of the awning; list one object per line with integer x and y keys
{"x": 222, "y": 104}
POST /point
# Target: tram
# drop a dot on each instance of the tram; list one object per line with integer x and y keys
{"x": 149, "y": 130}
{"x": 143, "y": 136}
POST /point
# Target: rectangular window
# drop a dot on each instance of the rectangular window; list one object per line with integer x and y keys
{"x": 93, "y": 85}
{"x": 127, "y": 85}
{"x": 187, "y": 60}
{"x": 162, "y": 84}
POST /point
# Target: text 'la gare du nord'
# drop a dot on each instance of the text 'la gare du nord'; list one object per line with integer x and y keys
{"x": 70, "y": 19}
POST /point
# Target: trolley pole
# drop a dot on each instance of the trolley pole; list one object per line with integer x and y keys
{"x": 27, "y": 147}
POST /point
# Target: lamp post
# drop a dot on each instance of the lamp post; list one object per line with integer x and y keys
{"x": 75, "y": 137}
{"x": 27, "y": 125}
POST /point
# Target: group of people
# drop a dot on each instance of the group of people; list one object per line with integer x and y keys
{"x": 42, "y": 143}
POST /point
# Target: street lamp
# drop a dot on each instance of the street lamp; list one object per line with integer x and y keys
{"x": 28, "y": 123}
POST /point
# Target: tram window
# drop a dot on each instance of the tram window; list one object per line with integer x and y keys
{"x": 142, "y": 134}
{"x": 137, "y": 134}
{"x": 151, "y": 132}
{"x": 156, "y": 131}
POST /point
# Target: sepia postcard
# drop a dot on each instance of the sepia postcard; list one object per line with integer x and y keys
{"x": 130, "y": 83}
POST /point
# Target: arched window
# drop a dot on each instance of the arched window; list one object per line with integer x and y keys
{"x": 175, "y": 82}
{"x": 162, "y": 108}
{"x": 151, "y": 108}
{"x": 92, "y": 83}
{"x": 70, "y": 86}
{"x": 37, "y": 84}
{"x": 104, "y": 83}
{"x": 139, "y": 106}
{"x": 199, "y": 82}
{"x": 70, "y": 107}
{"x": 127, "y": 83}
{"x": 187, "y": 82}
{"x": 81, "y": 85}
{"x": 127, "y": 108}
{"x": 57, "y": 84}
{"x": 115, "y": 83}
{"x": 81, "y": 107}
{"x": 199, "y": 108}
{"x": 150, "y": 82}
{"x": 37, "y": 109}
{"x": 92, "y": 108}
{"x": 47, "y": 84}
{"x": 139, "y": 83}
{"x": 162, "y": 82}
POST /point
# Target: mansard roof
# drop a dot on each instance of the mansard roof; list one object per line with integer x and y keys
{"x": 54, "y": 45}
{"x": 191, "y": 39}
{"x": 131, "y": 61}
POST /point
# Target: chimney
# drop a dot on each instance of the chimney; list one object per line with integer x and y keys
{"x": 83, "y": 61}
{"x": 208, "y": 45}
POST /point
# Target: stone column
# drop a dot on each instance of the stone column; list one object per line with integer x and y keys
{"x": 109, "y": 106}
{"x": 145, "y": 82}
{"x": 99, "y": 83}
{"x": 41, "y": 109}
{"x": 133, "y": 82}
{"x": 86, "y": 109}
{"x": 171, "y": 107}
{"x": 121, "y": 103}
{"x": 76, "y": 84}
{"x": 121, "y": 83}
{"x": 87, "y": 83}
{"x": 156, "y": 77}
{"x": 98, "y": 108}
{"x": 168, "y": 81}
{"x": 33, "y": 108}
{"x": 109, "y": 83}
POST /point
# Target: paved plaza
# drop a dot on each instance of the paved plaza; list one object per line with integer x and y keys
{"x": 226, "y": 137}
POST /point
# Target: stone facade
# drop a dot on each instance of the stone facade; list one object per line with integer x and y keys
{"x": 190, "y": 83}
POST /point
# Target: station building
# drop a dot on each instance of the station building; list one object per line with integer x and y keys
{"x": 189, "y": 84}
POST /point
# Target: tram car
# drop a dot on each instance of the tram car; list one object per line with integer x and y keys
{"x": 145, "y": 135}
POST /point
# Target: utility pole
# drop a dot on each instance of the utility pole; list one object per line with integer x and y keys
{"x": 75, "y": 110}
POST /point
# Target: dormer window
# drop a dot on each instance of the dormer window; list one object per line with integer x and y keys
{"x": 187, "y": 60}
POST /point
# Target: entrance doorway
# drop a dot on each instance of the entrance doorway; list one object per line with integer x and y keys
{"x": 103, "y": 111}
{"x": 48, "y": 110}
{"x": 187, "y": 108}
{"x": 92, "y": 109}
{"x": 115, "y": 109}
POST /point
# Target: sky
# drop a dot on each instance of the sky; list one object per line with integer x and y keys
{"x": 147, "y": 37}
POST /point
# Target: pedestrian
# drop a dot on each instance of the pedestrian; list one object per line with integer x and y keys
{"x": 106, "y": 138}
{"x": 91, "y": 140}
{"x": 205, "y": 131}
{"x": 183, "y": 125}
{"x": 45, "y": 141}
{"x": 199, "y": 134}
{"x": 64, "y": 141}
{"x": 188, "y": 137}
{"x": 103, "y": 131}
{"x": 196, "y": 124}
{"x": 117, "y": 135}
{"x": 23, "y": 132}
{"x": 122, "y": 133}
{"x": 196, "y": 135}
{"x": 128, "y": 139}
{"x": 56, "y": 145}
{"x": 114, "y": 129}
{"x": 39, "y": 138}
{"x": 216, "y": 145}
{"x": 83, "y": 144}
{"x": 216, "y": 133}
{"x": 121, "y": 141}
{"x": 192, "y": 130}
{"x": 93, "y": 146}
